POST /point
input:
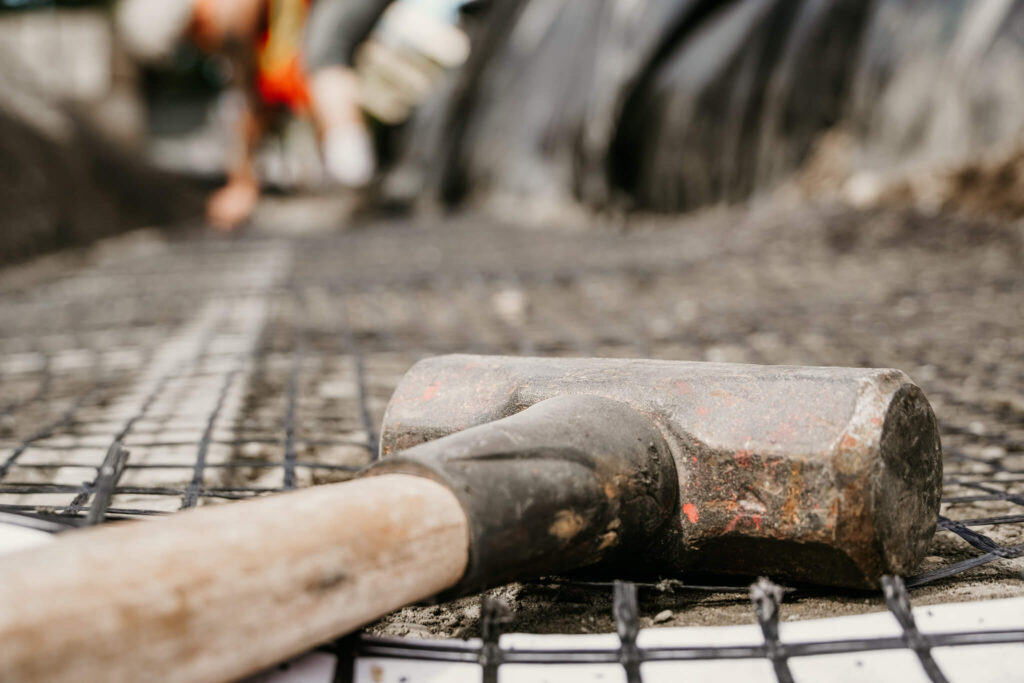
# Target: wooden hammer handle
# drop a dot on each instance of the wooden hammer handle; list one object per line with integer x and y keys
{"x": 222, "y": 591}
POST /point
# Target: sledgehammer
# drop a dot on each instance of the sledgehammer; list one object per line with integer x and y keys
{"x": 497, "y": 469}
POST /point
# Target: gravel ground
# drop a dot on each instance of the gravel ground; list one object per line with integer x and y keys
{"x": 235, "y": 367}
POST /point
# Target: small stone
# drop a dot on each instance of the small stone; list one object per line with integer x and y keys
{"x": 662, "y": 616}
{"x": 992, "y": 452}
{"x": 338, "y": 390}
{"x": 686, "y": 310}
{"x": 863, "y": 189}
{"x": 7, "y": 425}
{"x": 510, "y": 304}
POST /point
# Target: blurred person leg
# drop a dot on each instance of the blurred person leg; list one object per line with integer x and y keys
{"x": 263, "y": 40}
{"x": 334, "y": 31}
{"x": 231, "y": 205}
{"x": 237, "y": 29}
{"x": 234, "y": 27}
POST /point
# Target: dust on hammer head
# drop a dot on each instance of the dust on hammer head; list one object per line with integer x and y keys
{"x": 811, "y": 474}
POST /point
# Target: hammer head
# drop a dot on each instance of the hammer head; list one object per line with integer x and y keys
{"x": 818, "y": 474}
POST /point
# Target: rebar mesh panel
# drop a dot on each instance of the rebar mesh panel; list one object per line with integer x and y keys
{"x": 230, "y": 369}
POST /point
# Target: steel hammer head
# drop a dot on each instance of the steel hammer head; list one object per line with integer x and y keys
{"x": 818, "y": 474}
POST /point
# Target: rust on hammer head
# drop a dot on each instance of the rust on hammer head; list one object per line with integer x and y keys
{"x": 818, "y": 474}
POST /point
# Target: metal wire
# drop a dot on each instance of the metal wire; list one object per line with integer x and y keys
{"x": 766, "y": 599}
{"x": 289, "y": 393}
{"x": 463, "y": 276}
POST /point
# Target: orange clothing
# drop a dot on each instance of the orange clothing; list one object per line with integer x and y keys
{"x": 280, "y": 77}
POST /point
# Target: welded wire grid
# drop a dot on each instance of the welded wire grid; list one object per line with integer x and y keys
{"x": 490, "y": 653}
{"x": 150, "y": 376}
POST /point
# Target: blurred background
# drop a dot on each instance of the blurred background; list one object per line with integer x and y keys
{"x": 549, "y": 107}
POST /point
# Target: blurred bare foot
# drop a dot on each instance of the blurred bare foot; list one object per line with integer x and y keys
{"x": 231, "y": 205}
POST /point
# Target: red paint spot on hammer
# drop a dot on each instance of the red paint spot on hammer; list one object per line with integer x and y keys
{"x": 431, "y": 391}
{"x": 691, "y": 512}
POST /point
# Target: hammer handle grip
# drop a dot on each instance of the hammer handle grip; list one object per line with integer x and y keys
{"x": 222, "y": 591}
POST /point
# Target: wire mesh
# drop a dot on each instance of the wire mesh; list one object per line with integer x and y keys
{"x": 490, "y": 652}
{"x": 231, "y": 369}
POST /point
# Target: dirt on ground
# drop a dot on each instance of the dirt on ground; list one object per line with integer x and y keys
{"x": 304, "y": 337}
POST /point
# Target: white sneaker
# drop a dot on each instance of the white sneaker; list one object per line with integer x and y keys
{"x": 348, "y": 155}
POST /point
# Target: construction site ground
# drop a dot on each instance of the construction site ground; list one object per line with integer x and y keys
{"x": 236, "y": 366}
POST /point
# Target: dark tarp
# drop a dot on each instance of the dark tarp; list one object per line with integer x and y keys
{"x": 667, "y": 105}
